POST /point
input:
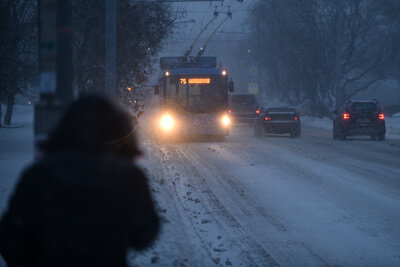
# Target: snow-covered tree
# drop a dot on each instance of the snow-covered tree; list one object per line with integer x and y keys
{"x": 18, "y": 50}
{"x": 322, "y": 51}
{"x": 141, "y": 27}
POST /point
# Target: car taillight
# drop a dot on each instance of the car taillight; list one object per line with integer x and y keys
{"x": 346, "y": 116}
{"x": 381, "y": 116}
{"x": 258, "y": 111}
{"x": 296, "y": 118}
{"x": 267, "y": 118}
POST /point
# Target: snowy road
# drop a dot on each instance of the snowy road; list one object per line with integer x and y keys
{"x": 311, "y": 201}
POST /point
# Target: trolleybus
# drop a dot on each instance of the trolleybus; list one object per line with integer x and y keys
{"x": 193, "y": 98}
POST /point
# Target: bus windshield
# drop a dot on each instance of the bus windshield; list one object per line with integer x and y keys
{"x": 198, "y": 95}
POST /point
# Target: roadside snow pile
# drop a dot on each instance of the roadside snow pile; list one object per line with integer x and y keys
{"x": 16, "y": 150}
{"x": 393, "y": 122}
{"x": 22, "y": 114}
{"x": 320, "y": 123}
{"x": 393, "y": 127}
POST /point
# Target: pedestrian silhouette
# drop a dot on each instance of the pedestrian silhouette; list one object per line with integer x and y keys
{"x": 84, "y": 203}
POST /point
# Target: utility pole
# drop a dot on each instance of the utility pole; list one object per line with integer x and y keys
{"x": 111, "y": 48}
{"x": 47, "y": 48}
{"x": 340, "y": 94}
{"x": 55, "y": 64}
{"x": 64, "y": 89}
{"x": 46, "y": 111}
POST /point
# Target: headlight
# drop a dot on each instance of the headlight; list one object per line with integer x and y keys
{"x": 225, "y": 121}
{"x": 167, "y": 123}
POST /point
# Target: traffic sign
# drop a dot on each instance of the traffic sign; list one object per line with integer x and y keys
{"x": 253, "y": 88}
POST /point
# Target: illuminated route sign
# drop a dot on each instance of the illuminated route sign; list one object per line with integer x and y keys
{"x": 199, "y": 80}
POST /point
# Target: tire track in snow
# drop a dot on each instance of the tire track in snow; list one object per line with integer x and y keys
{"x": 374, "y": 224}
{"x": 264, "y": 228}
{"x": 177, "y": 244}
{"x": 247, "y": 252}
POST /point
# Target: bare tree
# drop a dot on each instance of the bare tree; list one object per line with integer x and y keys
{"x": 18, "y": 52}
{"x": 141, "y": 28}
{"x": 323, "y": 51}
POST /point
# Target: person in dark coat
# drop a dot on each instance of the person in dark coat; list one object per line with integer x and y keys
{"x": 85, "y": 202}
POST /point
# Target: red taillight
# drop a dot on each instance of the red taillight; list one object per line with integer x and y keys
{"x": 381, "y": 116}
{"x": 296, "y": 118}
{"x": 229, "y": 111}
{"x": 267, "y": 118}
{"x": 346, "y": 116}
{"x": 258, "y": 111}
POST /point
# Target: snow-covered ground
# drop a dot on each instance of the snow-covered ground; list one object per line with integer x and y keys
{"x": 268, "y": 201}
{"x": 16, "y": 150}
{"x": 16, "y": 146}
{"x": 309, "y": 201}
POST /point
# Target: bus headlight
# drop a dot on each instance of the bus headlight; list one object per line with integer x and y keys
{"x": 225, "y": 120}
{"x": 167, "y": 123}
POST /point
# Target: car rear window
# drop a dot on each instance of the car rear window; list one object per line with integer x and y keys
{"x": 363, "y": 106}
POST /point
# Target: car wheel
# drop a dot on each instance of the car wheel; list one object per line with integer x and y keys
{"x": 298, "y": 132}
{"x": 334, "y": 135}
{"x": 342, "y": 135}
{"x": 338, "y": 133}
{"x": 381, "y": 137}
{"x": 257, "y": 129}
{"x": 295, "y": 134}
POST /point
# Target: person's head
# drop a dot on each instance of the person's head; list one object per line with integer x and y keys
{"x": 94, "y": 124}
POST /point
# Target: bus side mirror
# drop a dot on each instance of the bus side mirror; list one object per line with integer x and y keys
{"x": 231, "y": 86}
{"x": 156, "y": 89}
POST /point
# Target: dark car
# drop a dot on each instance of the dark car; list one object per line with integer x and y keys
{"x": 278, "y": 120}
{"x": 359, "y": 118}
{"x": 243, "y": 107}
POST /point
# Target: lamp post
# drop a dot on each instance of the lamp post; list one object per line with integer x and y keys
{"x": 111, "y": 48}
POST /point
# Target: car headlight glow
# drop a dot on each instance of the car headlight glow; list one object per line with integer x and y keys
{"x": 167, "y": 123}
{"x": 226, "y": 121}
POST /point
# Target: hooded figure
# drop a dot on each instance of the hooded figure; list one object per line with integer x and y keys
{"x": 85, "y": 202}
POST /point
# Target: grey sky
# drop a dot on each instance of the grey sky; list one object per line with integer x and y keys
{"x": 200, "y": 14}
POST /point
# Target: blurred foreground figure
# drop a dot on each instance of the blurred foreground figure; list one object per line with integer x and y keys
{"x": 85, "y": 203}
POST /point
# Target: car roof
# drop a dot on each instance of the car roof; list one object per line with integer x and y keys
{"x": 349, "y": 102}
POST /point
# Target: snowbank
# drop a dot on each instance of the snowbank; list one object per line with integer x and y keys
{"x": 16, "y": 150}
